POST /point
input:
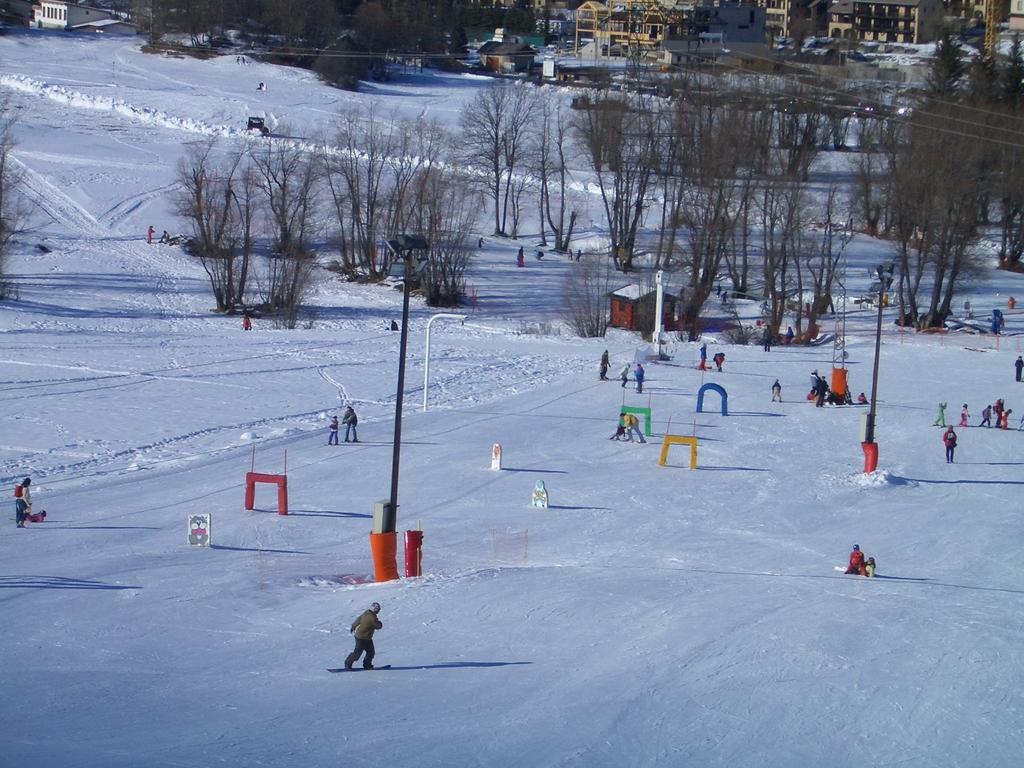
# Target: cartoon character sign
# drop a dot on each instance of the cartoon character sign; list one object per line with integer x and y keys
{"x": 199, "y": 530}
{"x": 540, "y": 495}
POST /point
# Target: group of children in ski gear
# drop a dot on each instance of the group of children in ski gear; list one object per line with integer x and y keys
{"x": 638, "y": 373}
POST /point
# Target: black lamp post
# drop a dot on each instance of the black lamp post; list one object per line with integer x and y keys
{"x": 870, "y": 447}
{"x": 403, "y": 247}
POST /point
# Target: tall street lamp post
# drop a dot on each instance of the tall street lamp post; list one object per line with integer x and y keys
{"x": 870, "y": 447}
{"x": 383, "y": 542}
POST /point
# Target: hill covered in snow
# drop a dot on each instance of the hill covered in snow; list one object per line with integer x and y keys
{"x": 652, "y": 615}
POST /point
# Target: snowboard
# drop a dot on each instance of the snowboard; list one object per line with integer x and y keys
{"x": 842, "y": 569}
{"x": 358, "y": 669}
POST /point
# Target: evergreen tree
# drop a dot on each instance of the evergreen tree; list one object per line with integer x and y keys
{"x": 1013, "y": 77}
{"x": 948, "y": 68}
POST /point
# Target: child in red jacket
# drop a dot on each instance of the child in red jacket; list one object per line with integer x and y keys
{"x": 856, "y": 561}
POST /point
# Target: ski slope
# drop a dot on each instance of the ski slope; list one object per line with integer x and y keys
{"x": 651, "y": 616}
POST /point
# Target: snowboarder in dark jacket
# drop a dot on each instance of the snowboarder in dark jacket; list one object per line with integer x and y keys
{"x": 820, "y": 392}
{"x": 949, "y": 440}
{"x": 350, "y": 420}
{"x": 1018, "y": 366}
{"x": 363, "y": 629}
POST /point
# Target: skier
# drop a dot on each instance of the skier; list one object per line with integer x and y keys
{"x": 776, "y": 392}
{"x": 632, "y": 424}
{"x": 940, "y": 417}
{"x": 624, "y": 375}
{"x": 766, "y": 339}
{"x": 363, "y": 628}
{"x": 639, "y": 375}
{"x": 620, "y": 430}
{"x": 997, "y": 411}
{"x": 1018, "y": 366}
{"x": 350, "y": 420}
{"x": 603, "y": 369}
{"x": 789, "y": 334}
{"x": 1004, "y": 421}
{"x": 719, "y": 358}
{"x": 480, "y": 243}
{"x": 149, "y": 241}
{"x": 703, "y": 357}
{"x": 986, "y": 416}
{"x": 949, "y": 440}
{"x": 246, "y": 322}
{"x": 964, "y": 416}
{"x": 332, "y": 437}
{"x": 856, "y": 561}
{"x": 22, "y": 501}
{"x": 520, "y": 261}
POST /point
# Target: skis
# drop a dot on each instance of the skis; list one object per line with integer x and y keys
{"x": 358, "y": 669}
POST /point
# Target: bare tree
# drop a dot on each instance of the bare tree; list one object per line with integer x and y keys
{"x": 217, "y": 201}
{"x": 619, "y": 138}
{"x": 288, "y": 178}
{"x": 446, "y": 212}
{"x": 551, "y": 150}
{"x": 936, "y": 209}
{"x": 707, "y": 207}
{"x": 587, "y": 285}
{"x": 494, "y": 134}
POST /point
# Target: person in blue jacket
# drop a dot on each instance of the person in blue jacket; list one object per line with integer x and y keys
{"x": 639, "y": 376}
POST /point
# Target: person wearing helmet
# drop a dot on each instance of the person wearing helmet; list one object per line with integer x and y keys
{"x": 856, "y": 561}
{"x": 363, "y": 629}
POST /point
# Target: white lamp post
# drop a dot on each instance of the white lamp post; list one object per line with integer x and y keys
{"x": 426, "y": 363}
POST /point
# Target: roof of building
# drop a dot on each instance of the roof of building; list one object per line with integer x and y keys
{"x": 505, "y": 49}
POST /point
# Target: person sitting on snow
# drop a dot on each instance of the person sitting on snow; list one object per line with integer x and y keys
{"x": 869, "y": 567}
{"x": 856, "y": 561}
{"x": 861, "y": 399}
{"x": 165, "y": 237}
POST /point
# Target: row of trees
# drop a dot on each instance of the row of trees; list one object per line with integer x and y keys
{"x": 728, "y": 171}
{"x": 276, "y": 204}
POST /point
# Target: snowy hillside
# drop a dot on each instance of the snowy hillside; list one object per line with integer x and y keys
{"x": 651, "y": 616}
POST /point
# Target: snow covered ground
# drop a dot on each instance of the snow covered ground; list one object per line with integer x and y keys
{"x": 652, "y": 616}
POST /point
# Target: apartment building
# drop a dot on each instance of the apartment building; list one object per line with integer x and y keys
{"x": 897, "y": 21}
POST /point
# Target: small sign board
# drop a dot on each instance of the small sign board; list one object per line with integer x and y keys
{"x": 496, "y": 457}
{"x": 540, "y": 496}
{"x": 199, "y": 529}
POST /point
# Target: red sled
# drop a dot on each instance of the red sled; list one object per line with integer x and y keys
{"x": 36, "y": 517}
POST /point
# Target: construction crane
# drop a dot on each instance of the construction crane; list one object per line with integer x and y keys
{"x": 992, "y": 20}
